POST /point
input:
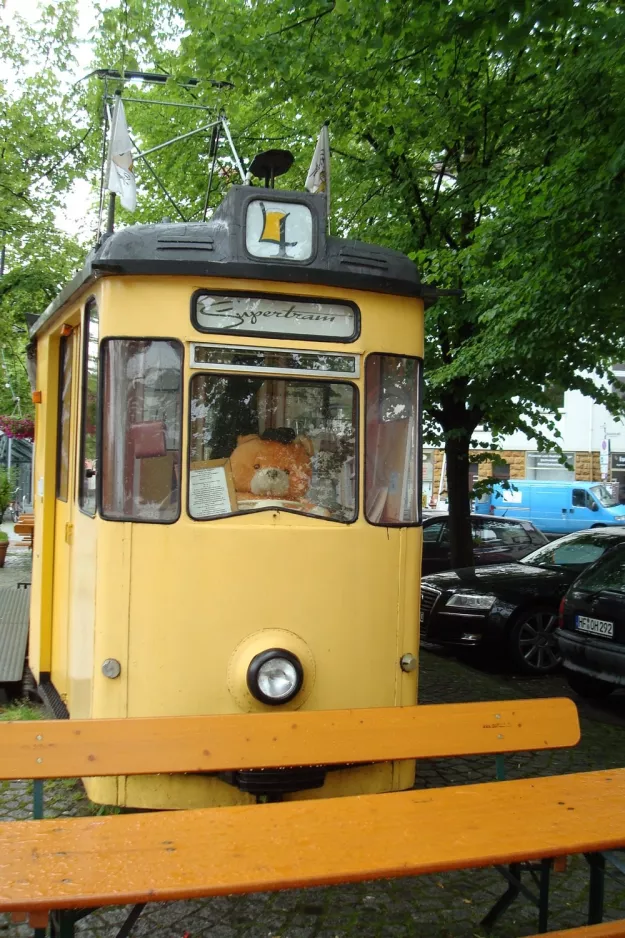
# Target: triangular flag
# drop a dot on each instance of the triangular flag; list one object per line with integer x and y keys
{"x": 318, "y": 178}
{"x": 119, "y": 175}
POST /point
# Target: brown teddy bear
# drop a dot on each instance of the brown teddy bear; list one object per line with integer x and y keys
{"x": 273, "y": 469}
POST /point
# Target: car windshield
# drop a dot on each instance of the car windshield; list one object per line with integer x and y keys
{"x": 571, "y": 551}
{"x": 604, "y": 496}
{"x": 608, "y": 575}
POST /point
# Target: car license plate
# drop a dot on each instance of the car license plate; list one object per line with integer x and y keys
{"x": 596, "y": 626}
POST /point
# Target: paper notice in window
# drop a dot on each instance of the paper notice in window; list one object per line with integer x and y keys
{"x": 211, "y": 489}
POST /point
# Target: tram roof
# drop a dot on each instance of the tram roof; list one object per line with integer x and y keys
{"x": 221, "y": 248}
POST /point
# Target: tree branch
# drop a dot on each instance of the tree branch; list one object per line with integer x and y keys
{"x": 308, "y": 19}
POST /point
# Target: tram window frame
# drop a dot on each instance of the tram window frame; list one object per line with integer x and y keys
{"x": 62, "y": 491}
{"x": 102, "y": 380}
{"x": 286, "y": 297}
{"x": 286, "y": 376}
{"x": 83, "y": 498}
{"x": 419, "y": 454}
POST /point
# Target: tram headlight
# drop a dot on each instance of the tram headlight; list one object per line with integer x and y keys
{"x": 275, "y": 676}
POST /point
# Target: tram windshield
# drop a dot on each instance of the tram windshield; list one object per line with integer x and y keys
{"x": 263, "y": 442}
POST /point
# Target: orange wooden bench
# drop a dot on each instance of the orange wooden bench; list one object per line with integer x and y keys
{"x": 605, "y": 930}
{"x": 26, "y": 526}
{"x": 56, "y": 867}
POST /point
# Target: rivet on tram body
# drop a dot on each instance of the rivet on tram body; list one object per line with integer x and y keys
{"x": 111, "y": 668}
{"x": 498, "y": 716}
{"x": 408, "y": 662}
{"x": 39, "y": 737}
{"x": 499, "y": 735}
{"x": 39, "y": 761}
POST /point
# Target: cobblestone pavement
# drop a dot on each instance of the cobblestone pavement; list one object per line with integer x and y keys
{"x": 446, "y": 905}
{"x": 18, "y": 560}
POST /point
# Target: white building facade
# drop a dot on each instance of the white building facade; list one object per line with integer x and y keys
{"x": 592, "y": 439}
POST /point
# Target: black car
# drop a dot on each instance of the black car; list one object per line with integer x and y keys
{"x": 495, "y": 540}
{"x": 512, "y": 606}
{"x": 592, "y": 627}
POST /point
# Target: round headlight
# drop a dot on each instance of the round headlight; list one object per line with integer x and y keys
{"x": 275, "y": 676}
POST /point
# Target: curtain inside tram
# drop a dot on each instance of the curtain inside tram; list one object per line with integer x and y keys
{"x": 141, "y": 433}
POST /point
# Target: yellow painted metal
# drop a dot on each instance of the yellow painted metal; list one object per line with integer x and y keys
{"x": 44, "y": 503}
{"x": 173, "y": 603}
{"x": 63, "y": 532}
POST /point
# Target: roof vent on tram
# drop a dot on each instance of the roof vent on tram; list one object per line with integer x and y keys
{"x": 185, "y": 238}
{"x": 355, "y": 256}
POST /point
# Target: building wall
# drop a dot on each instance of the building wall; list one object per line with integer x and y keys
{"x": 586, "y": 465}
{"x": 514, "y": 458}
{"x": 583, "y": 426}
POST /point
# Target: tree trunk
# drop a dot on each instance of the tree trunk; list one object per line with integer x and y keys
{"x": 460, "y": 535}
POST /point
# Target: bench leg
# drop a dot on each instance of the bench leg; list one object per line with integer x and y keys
{"x": 516, "y": 887}
{"x": 543, "y": 896}
{"x": 129, "y": 924}
{"x": 596, "y": 862}
{"x": 62, "y": 924}
{"x": 513, "y": 875}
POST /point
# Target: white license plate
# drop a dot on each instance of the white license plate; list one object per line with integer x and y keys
{"x": 596, "y": 626}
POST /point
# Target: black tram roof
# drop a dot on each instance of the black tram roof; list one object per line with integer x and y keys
{"x": 218, "y": 248}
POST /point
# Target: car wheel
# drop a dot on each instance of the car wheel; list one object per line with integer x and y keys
{"x": 587, "y": 686}
{"x": 532, "y": 642}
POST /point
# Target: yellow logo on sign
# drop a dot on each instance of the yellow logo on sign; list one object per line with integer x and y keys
{"x": 274, "y": 230}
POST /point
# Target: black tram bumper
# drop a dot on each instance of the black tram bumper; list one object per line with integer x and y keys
{"x": 276, "y": 782}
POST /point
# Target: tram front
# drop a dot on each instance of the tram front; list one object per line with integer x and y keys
{"x": 257, "y": 484}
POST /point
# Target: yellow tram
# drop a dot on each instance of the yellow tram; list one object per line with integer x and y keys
{"x": 227, "y": 481}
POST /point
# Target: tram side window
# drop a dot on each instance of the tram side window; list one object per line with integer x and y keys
{"x": 87, "y": 482}
{"x": 260, "y": 442}
{"x": 64, "y": 419}
{"x": 392, "y": 460}
{"x": 141, "y": 431}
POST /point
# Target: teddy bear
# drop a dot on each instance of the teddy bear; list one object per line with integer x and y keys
{"x": 273, "y": 469}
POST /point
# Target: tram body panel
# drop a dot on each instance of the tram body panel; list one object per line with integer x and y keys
{"x": 81, "y": 624}
{"x": 69, "y": 364}
{"x": 140, "y": 618}
{"x": 219, "y": 587}
{"x": 160, "y": 307}
{"x": 44, "y": 471}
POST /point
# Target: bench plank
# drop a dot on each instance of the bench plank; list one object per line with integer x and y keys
{"x": 86, "y": 862}
{"x": 606, "y": 930}
{"x": 138, "y": 746}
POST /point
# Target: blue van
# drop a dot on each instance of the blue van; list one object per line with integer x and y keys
{"x": 555, "y": 507}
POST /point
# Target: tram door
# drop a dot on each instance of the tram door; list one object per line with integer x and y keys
{"x": 64, "y": 506}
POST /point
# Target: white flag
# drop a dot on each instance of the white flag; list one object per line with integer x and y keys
{"x": 318, "y": 178}
{"x": 119, "y": 175}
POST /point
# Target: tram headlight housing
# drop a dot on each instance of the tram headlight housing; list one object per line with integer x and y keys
{"x": 275, "y": 676}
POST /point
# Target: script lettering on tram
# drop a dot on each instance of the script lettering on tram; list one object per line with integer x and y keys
{"x": 257, "y": 315}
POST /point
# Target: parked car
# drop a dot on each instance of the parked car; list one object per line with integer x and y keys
{"x": 591, "y": 636}
{"x": 512, "y": 607}
{"x": 555, "y": 507}
{"x": 495, "y": 540}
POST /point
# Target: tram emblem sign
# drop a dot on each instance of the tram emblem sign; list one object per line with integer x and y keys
{"x": 279, "y": 230}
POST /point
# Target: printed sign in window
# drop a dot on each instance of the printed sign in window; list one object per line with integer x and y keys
{"x": 211, "y": 489}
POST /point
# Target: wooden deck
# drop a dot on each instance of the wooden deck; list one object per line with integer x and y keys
{"x": 14, "y": 613}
